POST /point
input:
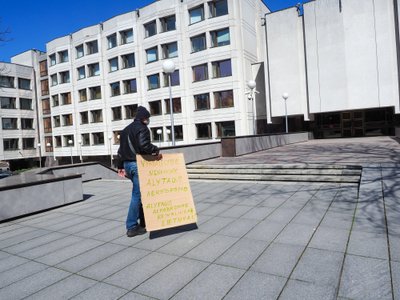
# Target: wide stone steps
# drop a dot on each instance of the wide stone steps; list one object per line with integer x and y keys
{"x": 273, "y": 172}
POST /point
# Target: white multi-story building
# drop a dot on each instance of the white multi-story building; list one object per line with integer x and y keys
{"x": 99, "y": 75}
{"x": 18, "y": 113}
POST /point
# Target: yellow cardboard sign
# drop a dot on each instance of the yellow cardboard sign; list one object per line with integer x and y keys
{"x": 166, "y": 196}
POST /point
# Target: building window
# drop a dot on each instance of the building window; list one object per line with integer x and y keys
{"x": 92, "y": 47}
{"x": 178, "y": 133}
{"x": 128, "y": 60}
{"x": 26, "y": 123}
{"x": 222, "y": 68}
{"x": 81, "y": 73}
{"x": 47, "y": 125}
{"x": 176, "y": 104}
{"x": 24, "y": 84}
{"x": 82, "y": 95}
{"x": 10, "y": 144}
{"x": 48, "y": 141}
{"x": 130, "y": 86}
{"x": 97, "y": 116}
{"x": 57, "y": 141}
{"x": 155, "y": 108}
{"x": 156, "y": 134}
{"x": 168, "y": 23}
{"x": 153, "y": 81}
{"x": 85, "y": 137}
{"x": 8, "y": 103}
{"x": 43, "y": 68}
{"x": 67, "y": 120}
{"x": 152, "y": 54}
{"x": 54, "y": 80}
{"x": 84, "y": 117}
{"x": 204, "y": 131}
{"x": 198, "y": 42}
{"x": 220, "y": 37}
{"x": 79, "y": 51}
{"x": 115, "y": 89}
{"x": 113, "y": 63}
{"x": 25, "y": 103}
{"x": 218, "y": 8}
{"x": 112, "y": 41}
{"x": 52, "y": 59}
{"x": 116, "y": 113}
{"x": 66, "y": 98}
{"x": 126, "y": 36}
{"x": 57, "y": 121}
{"x": 44, "y": 87}
{"x": 64, "y": 77}
{"x": 55, "y": 100}
{"x": 196, "y": 14}
{"x": 130, "y": 111}
{"x": 63, "y": 56}
{"x": 98, "y": 138}
{"x": 28, "y": 143}
{"x": 170, "y": 50}
{"x": 202, "y": 101}
{"x": 116, "y": 136}
{"x": 95, "y": 92}
{"x": 6, "y": 82}
{"x": 94, "y": 69}
{"x": 225, "y": 129}
{"x": 223, "y": 99}
{"x": 46, "y": 106}
{"x": 174, "y": 78}
{"x": 68, "y": 140}
{"x": 200, "y": 72}
{"x": 9, "y": 123}
{"x": 150, "y": 29}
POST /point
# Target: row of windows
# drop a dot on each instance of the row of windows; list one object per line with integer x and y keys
{"x": 87, "y": 139}
{"x": 12, "y": 123}
{"x": 9, "y": 82}
{"x": 13, "y": 144}
{"x": 63, "y": 56}
{"x": 11, "y": 103}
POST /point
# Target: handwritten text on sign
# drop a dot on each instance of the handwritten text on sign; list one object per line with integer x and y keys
{"x": 166, "y": 196}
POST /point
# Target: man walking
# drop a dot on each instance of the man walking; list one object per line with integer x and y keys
{"x": 135, "y": 139}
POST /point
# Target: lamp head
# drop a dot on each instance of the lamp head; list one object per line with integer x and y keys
{"x": 168, "y": 66}
{"x": 251, "y": 84}
{"x": 159, "y": 131}
{"x": 285, "y": 96}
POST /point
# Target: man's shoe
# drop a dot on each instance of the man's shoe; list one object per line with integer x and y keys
{"x": 137, "y": 230}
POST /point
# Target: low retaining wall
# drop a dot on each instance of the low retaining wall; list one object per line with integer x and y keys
{"x": 25, "y": 194}
{"x": 196, "y": 152}
{"x": 236, "y": 146}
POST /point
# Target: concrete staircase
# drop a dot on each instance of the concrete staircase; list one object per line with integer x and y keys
{"x": 274, "y": 172}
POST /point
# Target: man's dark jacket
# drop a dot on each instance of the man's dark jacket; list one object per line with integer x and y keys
{"x": 139, "y": 136}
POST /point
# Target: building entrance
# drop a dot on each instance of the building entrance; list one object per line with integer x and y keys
{"x": 352, "y": 124}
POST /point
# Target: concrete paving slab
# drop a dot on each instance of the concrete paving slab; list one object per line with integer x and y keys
{"x": 283, "y": 215}
{"x": 211, "y": 248}
{"x": 235, "y": 211}
{"x": 238, "y": 228}
{"x": 20, "y": 272}
{"x": 112, "y": 264}
{"x": 89, "y": 257}
{"x": 254, "y": 285}
{"x": 36, "y": 242}
{"x": 242, "y": 254}
{"x": 396, "y": 279}
{"x": 296, "y": 234}
{"x": 135, "y": 296}
{"x": 213, "y": 283}
{"x": 140, "y": 271}
{"x": 365, "y": 278}
{"x": 368, "y": 244}
{"x": 215, "y": 224}
{"x": 10, "y": 262}
{"x": 265, "y": 231}
{"x": 258, "y": 213}
{"x": 278, "y": 259}
{"x": 171, "y": 279}
{"x": 320, "y": 267}
{"x": 328, "y": 238}
{"x": 32, "y": 284}
{"x": 184, "y": 243}
{"x": 101, "y": 291}
{"x": 305, "y": 290}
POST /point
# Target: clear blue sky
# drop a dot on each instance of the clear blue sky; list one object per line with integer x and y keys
{"x": 33, "y": 23}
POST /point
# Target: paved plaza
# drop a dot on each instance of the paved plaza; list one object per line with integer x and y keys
{"x": 254, "y": 240}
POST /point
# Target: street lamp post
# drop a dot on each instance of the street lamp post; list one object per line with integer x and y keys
{"x": 111, "y": 157}
{"x": 251, "y": 84}
{"x": 80, "y": 151}
{"x": 70, "y": 142}
{"x": 40, "y": 155}
{"x": 159, "y": 132}
{"x": 169, "y": 68}
{"x": 285, "y": 96}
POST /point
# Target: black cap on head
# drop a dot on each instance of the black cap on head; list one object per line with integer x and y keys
{"x": 142, "y": 113}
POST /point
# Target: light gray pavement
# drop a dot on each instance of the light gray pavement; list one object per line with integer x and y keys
{"x": 254, "y": 241}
